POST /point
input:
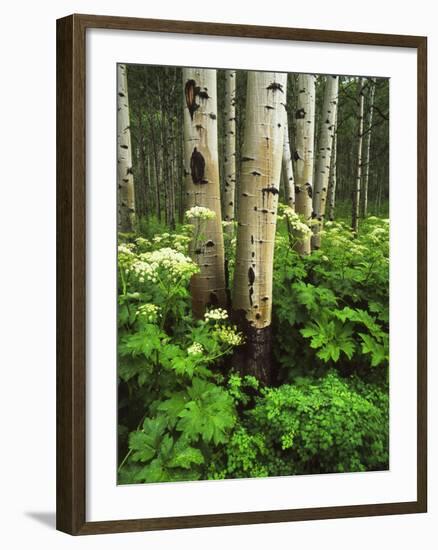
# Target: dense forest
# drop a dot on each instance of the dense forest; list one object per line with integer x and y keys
{"x": 253, "y": 273}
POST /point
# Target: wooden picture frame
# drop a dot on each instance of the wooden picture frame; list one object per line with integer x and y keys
{"x": 71, "y": 274}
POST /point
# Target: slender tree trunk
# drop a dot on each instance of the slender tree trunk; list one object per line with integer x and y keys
{"x": 367, "y": 148}
{"x": 325, "y": 147}
{"x": 333, "y": 179}
{"x": 356, "y": 191}
{"x": 156, "y": 170}
{"x": 230, "y": 149}
{"x": 203, "y": 187}
{"x": 288, "y": 173}
{"x": 144, "y": 174}
{"x": 304, "y": 151}
{"x": 125, "y": 178}
{"x": 260, "y": 180}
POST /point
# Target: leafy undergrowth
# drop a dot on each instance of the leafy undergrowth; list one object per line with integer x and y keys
{"x": 186, "y": 414}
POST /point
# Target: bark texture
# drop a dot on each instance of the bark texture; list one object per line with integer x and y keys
{"x": 287, "y": 169}
{"x": 333, "y": 179}
{"x": 359, "y": 141}
{"x": 230, "y": 149}
{"x": 325, "y": 147}
{"x": 259, "y": 188}
{"x": 125, "y": 178}
{"x": 304, "y": 152}
{"x": 201, "y": 169}
{"x": 367, "y": 146}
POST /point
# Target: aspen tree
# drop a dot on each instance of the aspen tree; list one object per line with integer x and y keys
{"x": 125, "y": 178}
{"x": 304, "y": 151}
{"x": 331, "y": 199}
{"x": 259, "y": 188}
{"x": 359, "y": 141}
{"x": 367, "y": 146}
{"x": 201, "y": 170}
{"x": 325, "y": 147}
{"x": 287, "y": 169}
{"x": 230, "y": 149}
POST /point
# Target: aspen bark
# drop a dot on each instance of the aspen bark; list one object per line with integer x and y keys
{"x": 359, "y": 141}
{"x": 325, "y": 146}
{"x": 125, "y": 178}
{"x": 304, "y": 151}
{"x": 287, "y": 169}
{"x": 230, "y": 149}
{"x": 259, "y": 188}
{"x": 367, "y": 146}
{"x": 333, "y": 179}
{"x": 201, "y": 170}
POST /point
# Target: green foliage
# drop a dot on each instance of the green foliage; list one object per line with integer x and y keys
{"x": 332, "y": 308}
{"x": 168, "y": 366}
{"x": 320, "y": 426}
{"x": 185, "y": 414}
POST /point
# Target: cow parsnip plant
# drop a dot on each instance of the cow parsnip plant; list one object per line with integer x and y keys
{"x": 184, "y": 411}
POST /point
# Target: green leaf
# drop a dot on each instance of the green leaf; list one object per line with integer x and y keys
{"x": 153, "y": 472}
{"x": 209, "y": 415}
{"x": 140, "y": 443}
{"x": 378, "y": 351}
{"x": 173, "y": 406}
{"x": 185, "y": 455}
{"x": 143, "y": 342}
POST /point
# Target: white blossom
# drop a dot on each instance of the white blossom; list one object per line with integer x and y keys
{"x": 201, "y": 213}
{"x": 195, "y": 349}
{"x": 165, "y": 262}
{"x": 295, "y": 223}
{"x": 148, "y": 312}
{"x": 218, "y": 314}
{"x": 229, "y": 335}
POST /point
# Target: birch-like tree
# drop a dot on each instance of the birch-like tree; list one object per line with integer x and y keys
{"x": 125, "y": 178}
{"x": 259, "y": 188}
{"x": 230, "y": 149}
{"x": 331, "y": 199}
{"x": 359, "y": 142}
{"x": 367, "y": 147}
{"x": 203, "y": 187}
{"x": 304, "y": 152}
{"x": 325, "y": 147}
{"x": 287, "y": 168}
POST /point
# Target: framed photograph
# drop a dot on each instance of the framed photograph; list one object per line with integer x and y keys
{"x": 241, "y": 274}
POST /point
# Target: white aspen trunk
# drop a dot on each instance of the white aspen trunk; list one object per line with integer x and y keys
{"x": 304, "y": 151}
{"x": 230, "y": 149}
{"x": 203, "y": 187}
{"x": 357, "y": 184}
{"x": 325, "y": 147}
{"x": 125, "y": 178}
{"x": 333, "y": 180}
{"x": 368, "y": 148}
{"x": 288, "y": 174}
{"x": 260, "y": 180}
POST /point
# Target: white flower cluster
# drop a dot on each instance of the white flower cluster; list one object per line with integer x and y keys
{"x": 229, "y": 336}
{"x": 159, "y": 239}
{"x": 171, "y": 263}
{"x": 148, "y": 312}
{"x": 296, "y": 225}
{"x": 195, "y": 349}
{"x": 125, "y": 255}
{"x": 126, "y": 248}
{"x": 181, "y": 242}
{"x": 200, "y": 213}
{"x": 218, "y": 314}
